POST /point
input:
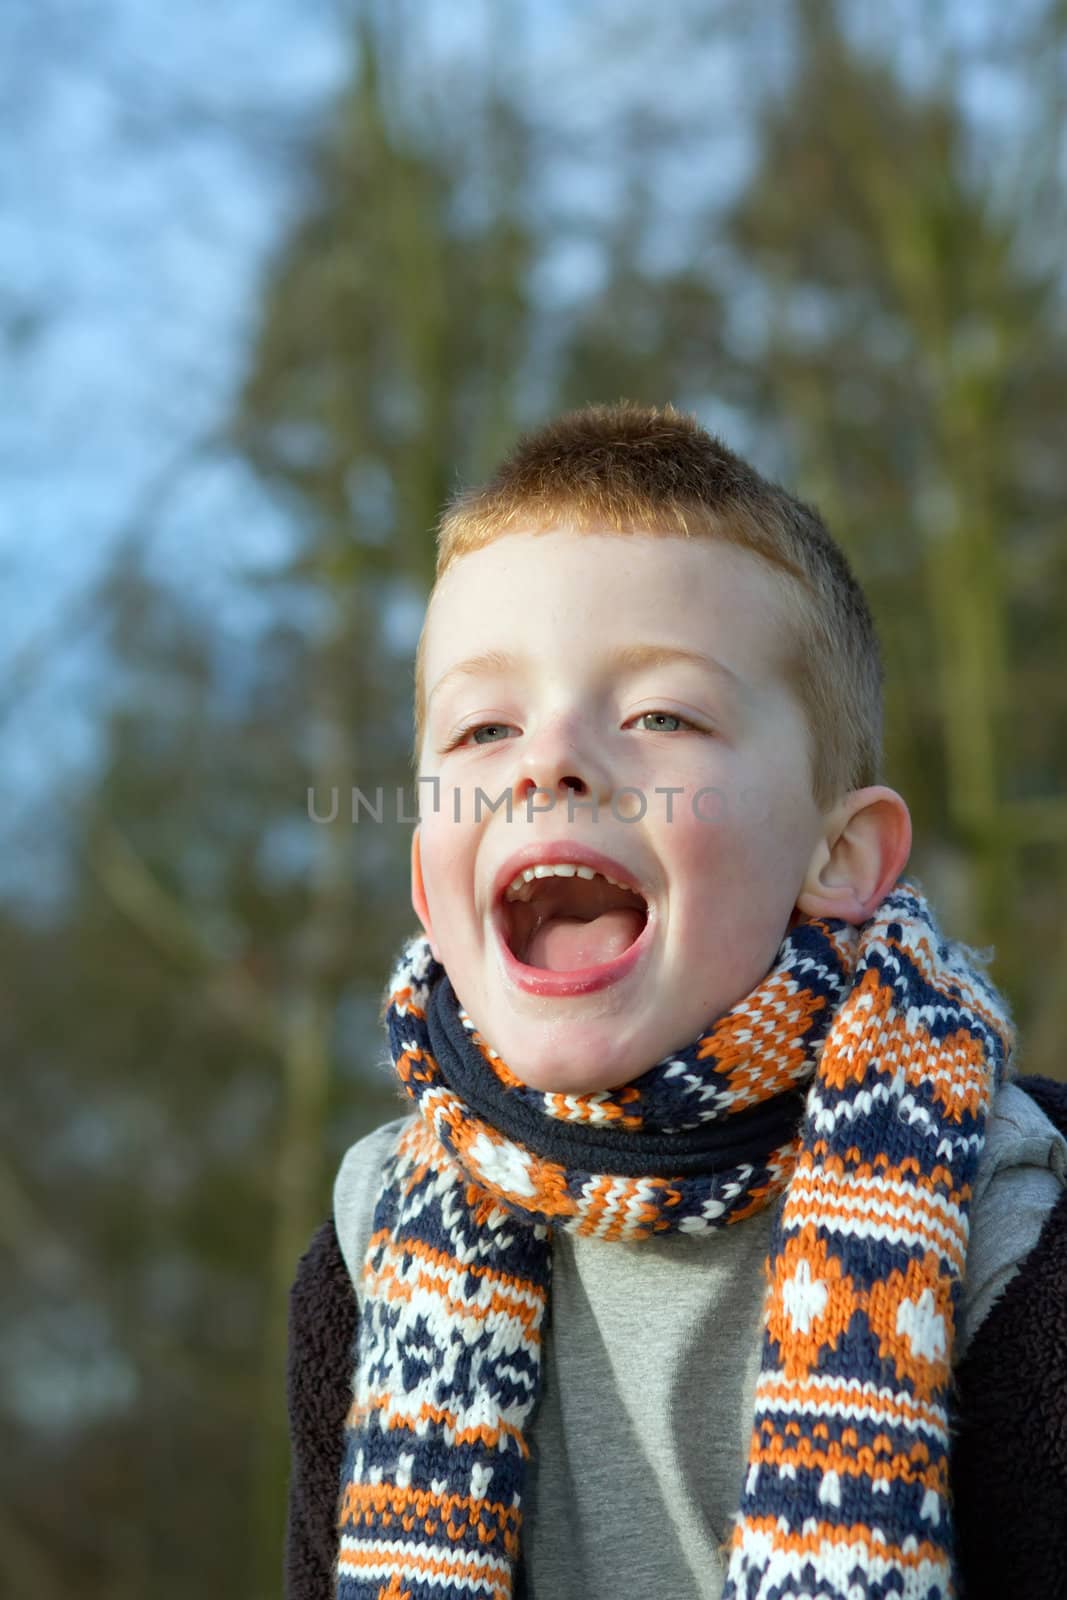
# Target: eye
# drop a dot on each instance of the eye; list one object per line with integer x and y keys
{"x": 659, "y": 718}
{"x": 490, "y": 728}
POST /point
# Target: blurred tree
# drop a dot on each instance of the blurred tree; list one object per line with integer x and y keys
{"x": 197, "y": 1030}
{"x": 915, "y": 350}
{"x": 392, "y": 339}
{"x": 893, "y": 336}
{"x": 155, "y": 1021}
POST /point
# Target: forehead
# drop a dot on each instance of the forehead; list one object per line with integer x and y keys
{"x": 534, "y": 595}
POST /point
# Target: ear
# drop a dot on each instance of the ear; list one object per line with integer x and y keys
{"x": 418, "y": 892}
{"x": 860, "y": 856}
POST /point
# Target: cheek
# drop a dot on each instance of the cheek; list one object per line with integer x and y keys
{"x": 721, "y": 829}
{"x": 738, "y": 855}
{"x": 447, "y": 870}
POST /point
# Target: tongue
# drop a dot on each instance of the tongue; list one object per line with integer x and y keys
{"x": 564, "y": 944}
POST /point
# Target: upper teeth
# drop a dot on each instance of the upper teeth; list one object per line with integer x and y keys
{"x": 555, "y": 869}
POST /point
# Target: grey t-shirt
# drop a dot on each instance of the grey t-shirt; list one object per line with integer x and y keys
{"x": 650, "y": 1359}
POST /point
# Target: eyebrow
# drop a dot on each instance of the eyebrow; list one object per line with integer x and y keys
{"x": 628, "y": 658}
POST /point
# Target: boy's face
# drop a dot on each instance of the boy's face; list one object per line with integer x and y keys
{"x": 718, "y": 872}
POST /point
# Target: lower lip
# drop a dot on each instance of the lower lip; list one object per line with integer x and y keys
{"x": 584, "y": 980}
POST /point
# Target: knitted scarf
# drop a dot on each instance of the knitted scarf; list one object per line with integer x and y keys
{"x": 852, "y": 1084}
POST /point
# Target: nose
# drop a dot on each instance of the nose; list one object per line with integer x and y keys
{"x": 560, "y": 760}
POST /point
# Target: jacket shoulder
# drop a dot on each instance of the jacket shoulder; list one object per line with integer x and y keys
{"x": 323, "y": 1323}
{"x": 1021, "y": 1173}
{"x": 1048, "y": 1093}
{"x": 1008, "y": 1459}
{"x": 322, "y": 1329}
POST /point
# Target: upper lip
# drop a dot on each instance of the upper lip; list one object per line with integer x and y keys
{"x": 566, "y": 851}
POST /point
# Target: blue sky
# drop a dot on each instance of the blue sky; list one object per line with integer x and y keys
{"x": 150, "y": 172}
{"x": 152, "y": 160}
{"x": 155, "y": 162}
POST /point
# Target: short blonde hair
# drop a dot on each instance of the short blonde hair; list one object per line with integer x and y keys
{"x": 630, "y": 469}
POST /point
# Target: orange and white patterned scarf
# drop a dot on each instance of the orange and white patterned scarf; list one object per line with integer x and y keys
{"x": 852, "y": 1087}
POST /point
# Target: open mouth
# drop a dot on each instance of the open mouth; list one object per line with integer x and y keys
{"x": 567, "y": 918}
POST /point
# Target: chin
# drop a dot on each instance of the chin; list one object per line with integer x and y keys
{"x": 555, "y": 1072}
{"x": 560, "y": 1081}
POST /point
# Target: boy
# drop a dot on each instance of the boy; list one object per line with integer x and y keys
{"x": 677, "y": 1282}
